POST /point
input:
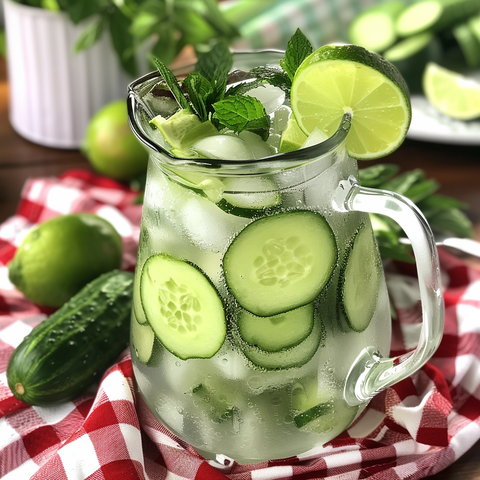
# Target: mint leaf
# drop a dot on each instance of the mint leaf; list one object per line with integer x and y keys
{"x": 274, "y": 76}
{"x": 240, "y": 113}
{"x": 298, "y": 48}
{"x": 198, "y": 88}
{"x": 375, "y": 175}
{"x": 215, "y": 63}
{"x": 172, "y": 84}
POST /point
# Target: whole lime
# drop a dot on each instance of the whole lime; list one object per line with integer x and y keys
{"x": 60, "y": 256}
{"x": 110, "y": 145}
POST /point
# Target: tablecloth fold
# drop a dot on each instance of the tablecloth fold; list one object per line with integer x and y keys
{"x": 414, "y": 429}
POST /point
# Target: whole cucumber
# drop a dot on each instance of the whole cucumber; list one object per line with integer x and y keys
{"x": 66, "y": 353}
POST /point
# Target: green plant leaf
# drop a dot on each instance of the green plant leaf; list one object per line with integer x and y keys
{"x": 298, "y": 48}
{"x": 195, "y": 29}
{"x": 79, "y": 10}
{"x": 240, "y": 113}
{"x": 452, "y": 221}
{"x": 198, "y": 88}
{"x": 90, "y": 35}
{"x": 376, "y": 175}
{"x": 401, "y": 183}
{"x": 123, "y": 41}
{"x": 419, "y": 191}
{"x": 274, "y": 76}
{"x": 215, "y": 63}
{"x": 172, "y": 84}
{"x": 167, "y": 46}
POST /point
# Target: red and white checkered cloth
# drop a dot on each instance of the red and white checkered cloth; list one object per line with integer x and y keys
{"x": 414, "y": 429}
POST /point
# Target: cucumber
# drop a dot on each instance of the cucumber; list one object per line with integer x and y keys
{"x": 66, "y": 353}
{"x": 142, "y": 340}
{"x": 278, "y": 332}
{"x": 374, "y": 28}
{"x": 292, "y": 357}
{"x": 280, "y": 262}
{"x": 252, "y": 197}
{"x": 360, "y": 279}
{"x": 412, "y": 54}
{"x": 434, "y": 15}
{"x": 468, "y": 42}
{"x": 219, "y": 406}
{"x": 137, "y": 302}
{"x": 317, "y": 408}
{"x": 182, "y": 307}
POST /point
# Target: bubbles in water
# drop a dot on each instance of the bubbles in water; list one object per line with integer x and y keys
{"x": 255, "y": 382}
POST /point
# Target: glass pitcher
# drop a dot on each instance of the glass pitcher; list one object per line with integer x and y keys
{"x": 261, "y": 321}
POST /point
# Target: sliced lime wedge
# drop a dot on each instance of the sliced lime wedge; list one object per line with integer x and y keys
{"x": 337, "y": 79}
{"x": 451, "y": 93}
{"x": 292, "y": 137}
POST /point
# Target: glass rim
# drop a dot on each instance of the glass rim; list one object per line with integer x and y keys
{"x": 300, "y": 155}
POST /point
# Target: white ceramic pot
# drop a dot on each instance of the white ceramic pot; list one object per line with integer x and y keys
{"x": 54, "y": 91}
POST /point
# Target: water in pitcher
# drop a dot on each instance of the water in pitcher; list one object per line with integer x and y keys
{"x": 298, "y": 305}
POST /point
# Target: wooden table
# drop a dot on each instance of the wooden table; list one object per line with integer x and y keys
{"x": 456, "y": 168}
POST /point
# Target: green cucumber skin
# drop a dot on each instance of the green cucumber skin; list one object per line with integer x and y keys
{"x": 66, "y": 353}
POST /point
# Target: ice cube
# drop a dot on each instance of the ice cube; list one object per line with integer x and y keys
{"x": 317, "y": 136}
{"x": 271, "y": 97}
{"x": 206, "y": 225}
{"x": 228, "y": 147}
{"x": 280, "y": 119}
{"x": 257, "y": 146}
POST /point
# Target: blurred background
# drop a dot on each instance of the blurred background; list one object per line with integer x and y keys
{"x": 68, "y": 58}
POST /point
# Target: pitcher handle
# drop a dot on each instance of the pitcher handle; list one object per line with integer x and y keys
{"x": 371, "y": 373}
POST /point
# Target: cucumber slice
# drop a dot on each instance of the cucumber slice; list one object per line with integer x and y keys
{"x": 360, "y": 279}
{"x": 252, "y": 196}
{"x": 278, "y": 332}
{"x": 284, "y": 359}
{"x": 412, "y": 54}
{"x": 182, "y": 307}
{"x": 333, "y": 416}
{"x": 374, "y": 28}
{"x": 321, "y": 409}
{"x": 434, "y": 15}
{"x": 137, "y": 301}
{"x": 280, "y": 262}
{"x": 142, "y": 339}
{"x": 219, "y": 407}
{"x": 468, "y": 42}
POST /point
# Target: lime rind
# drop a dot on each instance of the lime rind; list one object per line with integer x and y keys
{"x": 347, "y": 78}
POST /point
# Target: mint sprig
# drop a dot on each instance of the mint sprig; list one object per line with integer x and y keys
{"x": 172, "y": 84}
{"x": 206, "y": 88}
{"x": 241, "y": 112}
{"x": 298, "y": 49}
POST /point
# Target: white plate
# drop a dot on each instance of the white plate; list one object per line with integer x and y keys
{"x": 431, "y": 126}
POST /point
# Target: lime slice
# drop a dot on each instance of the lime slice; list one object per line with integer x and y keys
{"x": 451, "y": 93}
{"x": 339, "y": 79}
{"x": 292, "y": 137}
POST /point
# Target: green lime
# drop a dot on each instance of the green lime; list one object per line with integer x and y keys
{"x": 339, "y": 79}
{"x": 60, "y": 256}
{"x": 292, "y": 137}
{"x": 110, "y": 145}
{"x": 451, "y": 93}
